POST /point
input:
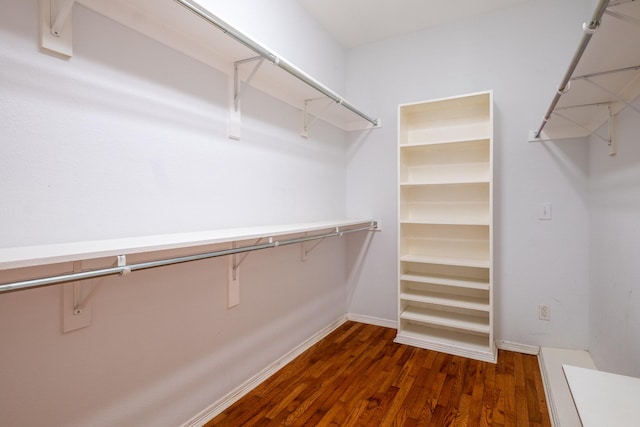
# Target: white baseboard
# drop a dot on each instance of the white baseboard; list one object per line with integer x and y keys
{"x": 517, "y": 347}
{"x": 385, "y": 323}
{"x": 216, "y": 408}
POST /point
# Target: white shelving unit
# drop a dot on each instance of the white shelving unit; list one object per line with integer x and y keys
{"x": 445, "y": 237}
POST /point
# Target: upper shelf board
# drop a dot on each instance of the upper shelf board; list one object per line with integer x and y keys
{"x": 168, "y": 22}
{"x": 30, "y": 256}
{"x": 612, "y": 61}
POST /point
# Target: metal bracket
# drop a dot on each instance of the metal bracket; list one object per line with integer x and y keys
{"x": 235, "y": 117}
{"x": 590, "y": 131}
{"x": 80, "y": 304}
{"x": 613, "y": 140}
{"x": 305, "y": 248}
{"x": 239, "y": 259}
{"x": 623, "y": 17}
{"x": 76, "y": 311}
{"x": 306, "y": 121}
{"x": 610, "y": 139}
{"x": 56, "y": 27}
{"x": 613, "y": 94}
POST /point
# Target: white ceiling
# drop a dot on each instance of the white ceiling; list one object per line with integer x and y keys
{"x": 355, "y": 22}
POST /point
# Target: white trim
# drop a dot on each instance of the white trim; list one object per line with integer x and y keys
{"x": 370, "y": 320}
{"x": 534, "y": 350}
{"x": 562, "y": 410}
{"x": 464, "y": 351}
{"x": 217, "y": 407}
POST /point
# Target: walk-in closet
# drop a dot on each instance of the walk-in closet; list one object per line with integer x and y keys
{"x": 319, "y": 213}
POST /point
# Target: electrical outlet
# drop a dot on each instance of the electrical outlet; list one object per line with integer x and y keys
{"x": 544, "y": 313}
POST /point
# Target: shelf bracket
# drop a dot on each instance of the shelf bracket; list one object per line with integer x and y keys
{"x": 623, "y": 17}
{"x": 610, "y": 139}
{"x": 233, "y": 274}
{"x": 306, "y": 247}
{"x": 76, "y": 307}
{"x": 613, "y": 94}
{"x": 590, "y": 131}
{"x": 56, "y": 34}
{"x": 307, "y": 121}
{"x": 76, "y": 310}
{"x": 613, "y": 140}
{"x": 235, "y": 117}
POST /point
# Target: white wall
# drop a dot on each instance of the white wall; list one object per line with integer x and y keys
{"x": 285, "y": 27}
{"x": 128, "y": 138}
{"x": 615, "y": 251}
{"x": 521, "y": 53}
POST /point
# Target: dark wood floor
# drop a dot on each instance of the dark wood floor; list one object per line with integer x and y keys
{"x": 357, "y": 376}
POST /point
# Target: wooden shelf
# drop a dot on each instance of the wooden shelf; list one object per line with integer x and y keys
{"x": 437, "y": 298}
{"x": 467, "y": 161}
{"x": 29, "y": 256}
{"x": 484, "y": 134}
{"x": 447, "y": 181}
{"x": 466, "y": 245}
{"x": 446, "y": 319}
{"x": 466, "y": 345}
{"x": 446, "y": 281}
{"x": 446, "y": 221}
{"x": 462, "y": 262}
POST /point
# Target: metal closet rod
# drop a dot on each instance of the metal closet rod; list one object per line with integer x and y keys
{"x": 72, "y": 277}
{"x": 271, "y": 57}
{"x": 589, "y": 29}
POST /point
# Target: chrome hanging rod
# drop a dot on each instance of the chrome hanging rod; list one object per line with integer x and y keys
{"x": 203, "y": 13}
{"x": 588, "y": 31}
{"x": 123, "y": 269}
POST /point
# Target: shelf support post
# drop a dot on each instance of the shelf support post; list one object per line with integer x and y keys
{"x": 56, "y": 27}
{"x": 235, "y": 118}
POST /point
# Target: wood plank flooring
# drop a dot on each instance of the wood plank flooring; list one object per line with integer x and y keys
{"x": 357, "y": 376}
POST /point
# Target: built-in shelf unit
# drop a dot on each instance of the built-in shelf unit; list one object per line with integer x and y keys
{"x": 445, "y": 231}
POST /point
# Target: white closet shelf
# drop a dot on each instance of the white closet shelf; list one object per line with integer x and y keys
{"x": 451, "y": 181}
{"x": 180, "y": 24}
{"x": 460, "y": 140}
{"x": 29, "y": 256}
{"x": 466, "y": 345}
{"x": 445, "y": 281}
{"x": 446, "y": 319}
{"x": 454, "y": 261}
{"x": 445, "y": 221}
{"x": 602, "y": 79}
{"x": 437, "y": 298}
